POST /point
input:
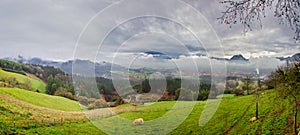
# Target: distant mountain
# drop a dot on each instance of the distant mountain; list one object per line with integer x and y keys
{"x": 158, "y": 55}
{"x": 236, "y": 65}
{"x": 163, "y": 55}
{"x": 295, "y": 57}
{"x": 238, "y": 57}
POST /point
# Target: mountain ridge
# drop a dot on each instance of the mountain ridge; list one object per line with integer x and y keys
{"x": 238, "y": 57}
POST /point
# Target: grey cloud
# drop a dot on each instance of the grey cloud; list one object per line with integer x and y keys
{"x": 49, "y": 29}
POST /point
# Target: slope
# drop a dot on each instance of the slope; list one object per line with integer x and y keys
{"x": 43, "y": 100}
{"x": 34, "y": 83}
{"x": 19, "y": 117}
{"x": 232, "y": 117}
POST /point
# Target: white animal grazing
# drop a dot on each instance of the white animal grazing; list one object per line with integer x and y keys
{"x": 253, "y": 119}
{"x": 138, "y": 121}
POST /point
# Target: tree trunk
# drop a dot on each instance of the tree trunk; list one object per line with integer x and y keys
{"x": 247, "y": 87}
{"x": 256, "y": 112}
{"x": 295, "y": 116}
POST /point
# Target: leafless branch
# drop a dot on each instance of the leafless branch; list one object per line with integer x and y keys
{"x": 247, "y": 12}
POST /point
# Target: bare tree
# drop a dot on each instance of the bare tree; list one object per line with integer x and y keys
{"x": 247, "y": 12}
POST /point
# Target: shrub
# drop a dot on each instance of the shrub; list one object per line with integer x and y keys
{"x": 203, "y": 95}
{"x": 227, "y": 91}
{"x": 119, "y": 101}
{"x": 238, "y": 92}
{"x": 64, "y": 93}
{"x": 91, "y": 106}
{"x": 83, "y": 100}
{"x": 184, "y": 94}
{"x": 100, "y": 103}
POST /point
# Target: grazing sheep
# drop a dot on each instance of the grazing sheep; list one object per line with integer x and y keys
{"x": 253, "y": 119}
{"x": 138, "y": 121}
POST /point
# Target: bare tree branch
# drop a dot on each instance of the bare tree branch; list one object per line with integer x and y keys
{"x": 247, "y": 12}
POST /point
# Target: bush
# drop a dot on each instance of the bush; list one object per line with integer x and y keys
{"x": 11, "y": 81}
{"x": 100, "y": 103}
{"x": 203, "y": 95}
{"x": 227, "y": 91}
{"x": 92, "y": 103}
{"x": 83, "y": 100}
{"x": 26, "y": 85}
{"x": 238, "y": 92}
{"x": 64, "y": 93}
{"x": 118, "y": 102}
{"x": 91, "y": 106}
{"x": 185, "y": 94}
{"x": 166, "y": 99}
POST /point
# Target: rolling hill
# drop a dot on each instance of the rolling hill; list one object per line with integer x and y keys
{"x": 232, "y": 117}
{"x": 25, "y": 112}
{"x": 42, "y": 100}
{"x": 34, "y": 83}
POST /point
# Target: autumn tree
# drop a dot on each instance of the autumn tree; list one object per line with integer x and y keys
{"x": 248, "y": 12}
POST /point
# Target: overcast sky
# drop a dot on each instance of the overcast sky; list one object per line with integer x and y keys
{"x": 49, "y": 29}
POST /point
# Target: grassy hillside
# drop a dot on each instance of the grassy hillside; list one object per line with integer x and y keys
{"x": 43, "y": 100}
{"x": 35, "y": 83}
{"x": 232, "y": 117}
{"x": 19, "y": 117}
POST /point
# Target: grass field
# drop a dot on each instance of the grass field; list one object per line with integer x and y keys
{"x": 232, "y": 117}
{"x": 226, "y": 96}
{"x": 40, "y": 99}
{"x": 35, "y": 83}
{"x": 19, "y": 117}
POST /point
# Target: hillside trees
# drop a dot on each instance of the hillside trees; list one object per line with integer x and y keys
{"x": 60, "y": 88}
{"x": 15, "y": 67}
{"x": 52, "y": 86}
{"x": 231, "y": 85}
{"x": 247, "y": 81}
{"x": 288, "y": 86}
{"x": 272, "y": 81}
{"x": 204, "y": 90}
